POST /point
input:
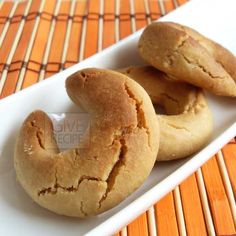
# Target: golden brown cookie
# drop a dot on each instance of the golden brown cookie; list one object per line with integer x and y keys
{"x": 187, "y": 127}
{"x": 124, "y": 133}
{"x": 187, "y": 55}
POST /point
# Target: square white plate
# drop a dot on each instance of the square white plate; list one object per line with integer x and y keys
{"x": 21, "y": 216}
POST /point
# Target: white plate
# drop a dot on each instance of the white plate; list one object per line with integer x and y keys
{"x": 21, "y": 216}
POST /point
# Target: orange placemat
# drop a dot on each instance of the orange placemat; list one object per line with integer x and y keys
{"x": 41, "y": 37}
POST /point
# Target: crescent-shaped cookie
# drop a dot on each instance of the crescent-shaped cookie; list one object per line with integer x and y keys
{"x": 188, "y": 56}
{"x": 122, "y": 149}
{"x": 187, "y": 126}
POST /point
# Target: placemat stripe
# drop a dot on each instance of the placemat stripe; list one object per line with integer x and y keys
{"x": 4, "y": 15}
{"x": 166, "y": 219}
{"x": 45, "y": 64}
{"x": 124, "y": 232}
{"x": 91, "y": 39}
{"x": 73, "y": 50}
{"x": 26, "y": 60}
{"x": 125, "y": 19}
{"x": 179, "y": 212}
{"x": 227, "y": 185}
{"x": 139, "y": 226}
{"x": 8, "y": 37}
{"x": 34, "y": 65}
{"x": 18, "y": 61}
{"x": 155, "y": 10}
{"x": 132, "y": 16}
{"x": 229, "y": 152}
{"x": 68, "y": 34}
{"x": 168, "y": 6}
{"x": 141, "y": 14}
{"x": 8, "y": 7}
{"x": 117, "y": 20}
{"x": 14, "y": 45}
{"x": 109, "y": 23}
{"x": 83, "y": 35}
{"x": 192, "y": 207}
{"x": 162, "y": 7}
{"x": 53, "y": 59}
{"x": 147, "y": 10}
{"x": 100, "y": 26}
{"x": 219, "y": 205}
{"x": 151, "y": 222}
{"x": 175, "y": 3}
{"x": 205, "y": 203}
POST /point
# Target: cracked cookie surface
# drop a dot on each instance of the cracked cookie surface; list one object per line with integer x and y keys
{"x": 188, "y": 56}
{"x": 187, "y": 125}
{"x": 122, "y": 150}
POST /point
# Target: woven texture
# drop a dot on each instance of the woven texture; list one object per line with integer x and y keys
{"x": 41, "y": 37}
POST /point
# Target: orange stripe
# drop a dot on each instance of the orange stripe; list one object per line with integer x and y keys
{"x": 54, "y": 59}
{"x": 10, "y": 36}
{"x": 166, "y": 217}
{"x": 139, "y": 226}
{"x": 4, "y": 12}
{"x": 31, "y": 77}
{"x": 91, "y": 45}
{"x": 109, "y": 23}
{"x": 193, "y": 214}
{"x": 140, "y": 14}
{"x": 181, "y": 2}
{"x": 125, "y": 21}
{"x": 155, "y": 11}
{"x": 18, "y": 58}
{"x": 218, "y": 201}
{"x": 74, "y": 42}
{"x": 229, "y": 152}
{"x": 169, "y": 6}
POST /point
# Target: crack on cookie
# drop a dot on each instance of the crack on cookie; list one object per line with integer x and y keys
{"x": 39, "y": 133}
{"x": 182, "y": 43}
{"x": 169, "y": 57}
{"x": 76, "y": 154}
{"x": 200, "y": 67}
{"x": 193, "y": 106}
{"x": 171, "y": 98}
{"x": 178, "y": 127}
{"x": 177, "y": 50}
{"x": 141, "y": 121}
{"x": 85, "y": 77}
{"x": 203, "y": 42}
{"x": 120, "y": 133}
{"x": 82, "y": 209}
{"x": 115, "y": 170}
{"x": 54, "y": 189}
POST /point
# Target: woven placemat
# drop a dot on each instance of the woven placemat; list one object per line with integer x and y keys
{"x": 41, "y": 37}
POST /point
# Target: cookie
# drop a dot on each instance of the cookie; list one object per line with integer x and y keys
{"x": 188, "y": 56}
{"x": 123, "y": 146}
{"x": 187, "y": 125}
